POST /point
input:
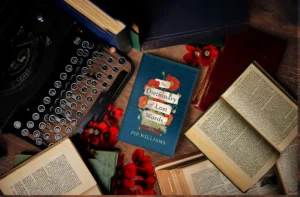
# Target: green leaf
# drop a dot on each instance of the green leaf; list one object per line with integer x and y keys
{"x": 163, "y": 73}
{"x": 174, "y": 111}
{"x": 141, "y": 111}
{"x": 139, "y": 117}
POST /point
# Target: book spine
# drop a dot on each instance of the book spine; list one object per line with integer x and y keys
{"x": 192, "y": 37}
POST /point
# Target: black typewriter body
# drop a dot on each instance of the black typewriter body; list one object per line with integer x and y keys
{"x": 55, "y": 76}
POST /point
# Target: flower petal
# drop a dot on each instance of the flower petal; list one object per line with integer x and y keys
{"x": 121, "y": 160}
{"x": 150, "y": 181}
{"x": 111, "y": 107}
{"x": 113, "y": 139}
{"x": 114, "y": 130}
{"x": 129, "y": 171}
{"x": 146, "y": 169}
{"x": 190, "y": 48}
{"x": 128, "y": 183}
{"x": 94, "y": 140}
{"x": 137, "y": 155}
{"x": 118, "y": 112}
{"x": 198, "y": 61}
{"x": 205, "y": 62}
{"x": 102, "y": 126}
{"x": 189, "y": 58}
{"x": 146, "y": 159}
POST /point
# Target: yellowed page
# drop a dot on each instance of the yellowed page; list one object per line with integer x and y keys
{"x": 59, "y": 170}
{"x": 287, "y": 166}
{"x": 264, "y": 106}
{"x": 204, "y": 178}
{"x": 92, "y": 191}
{"x": 233, "y": 145}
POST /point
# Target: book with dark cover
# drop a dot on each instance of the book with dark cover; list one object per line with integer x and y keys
{"x": 164, "y": 23}
{"x": 158, "y": 104}
{"x": 238, "y": 52}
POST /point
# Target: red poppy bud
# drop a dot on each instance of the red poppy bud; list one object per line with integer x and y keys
{"x": 118, "y": 113}
{"x": 129, "y": 170}
{"x": 128, "y": 183}
{"x": 102, "y": 126}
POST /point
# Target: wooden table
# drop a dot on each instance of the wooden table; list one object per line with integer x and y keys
{"x": 272, "y": 16}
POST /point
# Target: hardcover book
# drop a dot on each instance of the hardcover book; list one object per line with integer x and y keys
{"x": 158, "y": 104}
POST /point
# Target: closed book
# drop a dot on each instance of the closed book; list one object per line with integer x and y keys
{"x": 158, "y": 104}
{"x": 238, "y": 52}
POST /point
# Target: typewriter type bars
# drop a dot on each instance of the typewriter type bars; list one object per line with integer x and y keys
{"x": 80, "y": 85}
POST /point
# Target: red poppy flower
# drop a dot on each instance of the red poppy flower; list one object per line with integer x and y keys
{"x": 170, "y": 118}
{"x": 129, "y": 170}
{"x": 145, "y": 170}
{"x": 128, "y": 183}
{"x": 147, "y": 183}
{"x": 102, "y": 126}
{"x": 152, "y": 83}
{"x": 193, "y": 56}
{"x": 92, "y": 124}
{"x": 110, "y": 137}
{"x": 143, "y": 100}
{"x": 94, "y": 140}
{"x": 174, "y": 83}
{"x": 209, "y": 54}
{"x": 113, "y": 114}
{"x": 85, "y": 134}
{"x": 139, "y": 159}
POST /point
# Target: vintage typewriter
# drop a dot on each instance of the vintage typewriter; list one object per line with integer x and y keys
{"x": 55, "y": 76}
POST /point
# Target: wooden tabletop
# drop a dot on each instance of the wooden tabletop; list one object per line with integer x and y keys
{"x": 272, "y": 16}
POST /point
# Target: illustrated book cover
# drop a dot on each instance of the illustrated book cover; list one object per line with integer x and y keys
{"x": 158, "y": 104}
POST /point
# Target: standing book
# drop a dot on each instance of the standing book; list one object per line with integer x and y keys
{"x": 158, "y": 104}
{"x": 245, "y": 131}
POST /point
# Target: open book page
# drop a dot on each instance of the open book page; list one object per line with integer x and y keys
{"x": 58, "y": 170}
{"x": 92, "y": 191}
{"x": 205, "y": 179}
{"x": 287, "y": 166}
{"x": 233, "y": 145}
{"x": 264, "y": 106}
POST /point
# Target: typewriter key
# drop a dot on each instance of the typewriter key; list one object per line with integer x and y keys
{"x": 63, "y": 76}
{"x": 67, "y": 85}
{"x": 94, "y": 91}
{"x": 39, "y": 141}
{"x": 74, "y": 86}
{"x": 58, "y": 110}
{"x": 89, "y": 62}
{"x": 58, "y": 137}
{"x": 69, "y": 68}
{"x": 85, "y": 44}
{"x": 30, "y": 124}
{"x": 49, "y": 126}
{"x": 115, "y": 69}
{"x": 42, "y": 125}
{"x": 84, "y": 70}
{"x": 35, "y": 116}
{"x": 50, "y": 144}
{"x": 95, "y": 54}
{"x": 57, "y": 129}
{"x": 91, "y": 45}
{"x": 68, "y": 129}
{"x": 79, "y": 52}
{"x": 109, "y": 60}
{"x": 41, "y": 108}
{"x": 104, "y": 84}
{"x": 85, "y": 53}
{"x": 94, "y": 83}
{"x": 79, "y": 114}
{"x": 46, "y": 136}
{"x": 78, "y": 98}
{"x": 68, "y": 114}
{"x": 52, "y": 118}
{"x": 89, "y": 99}
{"x": 84, "y": 107}
{"x": 79, "y": 78}
{"x": 69, "y": 94}
{"x": 122, "y": 60}
{"x": 73, "y": 105}
{"x": 63, "y": 121}
{"x": 57, "y": 84}
{"x": 46, "y": 117}
{"x": 77, "y": 40}
{"x": 63, "y": 102}
{"x": 17, "y": 124}
{"x": 84, "y": 89}
{"x": 52, "y": 92}
{"x": 36, "y": 133}
{"x": 110, "y": 77}
{"x": 74, "y": 60}
{"x": 24, "y": 132}
{"x": 88, "y": 82}
{"x": 47, "y": 100}
{"x": 73, "y": 122}
{"x": 80, "y": 61}
{"x": 98, "y": 75}
{"x": 104, "y": 67}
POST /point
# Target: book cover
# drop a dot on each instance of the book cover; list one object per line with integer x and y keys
{"x": 158, "y": 104}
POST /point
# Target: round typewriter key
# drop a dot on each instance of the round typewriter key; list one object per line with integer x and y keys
{"x": 73, "y": 105}
{"x": 78, "y": 98}
{"x": 122, "y": 60}
{"x": 98, "y": 75}
{"x": 94, "y": 83}
{"x": 62, "y": 102}
{"x": 95, "y": 54}
{"x": 79, "y": 114}
{"x": 50, "y": 144}
{"x": 80, "y": 61}
{"x": 115, "y": 69}
{"x": 89, "y": 62}
{"x": 91, "y": 45}
{"x": 63, "y": 121}
{"x": 109, "y": 60}
{"x": 30, "y": 124}
{"x": 79, "y": 78}
{"x": 68, "y": 114}
{"x": 84, "y": 89}
{"x": 49, "y": 126}
{"x": 35, "y": 116}
{"x": 104, "y": 67}
{"x": 69, "y": 94}
{"x": 58, "y": 110}
{"x": 62, "y": 93}
{"x": 74, "y": 60}
{"x": 36, "y": 133}
{"x": 77, "y": 40}
{"x": 42, "y": 125}
{"x": 84, "y": 107}
{"x": 47, "y": 100}
{"x": 52, "y": 92}
{"x": 94, "y": 91}
{"x": 85, "y": 44}
{"x": 88, "y": 82}
{"x": 84, "y": 70}
{"x": 46, "y": 136}
{"x": 73, "y": 122}
{"x": 85, "y": 53}
{"x": 17, "y": 124}
{"x": 68, "y": 129}
{"x": 52, "y": 118}
{"x": 57, "y": 84}
{"x": 79, "y": 52}
{"x": 63, "y": 76}
{"x": 25, "y": 132}
{"x": 110, "y": 77}
{"x": 58, "y": 137}
{"x": 69, "y": 68}
{"x": 74, "y": 86}
{"x": 101, "y": 55}
{"x": 57, "y": 129}
{"x": 89, "y": 99}
{"x": 38, "y": 141}
{"x": 46, "y": 117}
{"x": 104, "y": 84}
{"x": 41, "y": 108}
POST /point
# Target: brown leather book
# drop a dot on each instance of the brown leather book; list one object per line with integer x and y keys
{"x": 238, "y": 52}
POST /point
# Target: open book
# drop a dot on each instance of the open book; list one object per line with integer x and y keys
{"x": 58, "y": 170}
{"x": 244, "y": 132}
{"x": 196, "y": 175}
